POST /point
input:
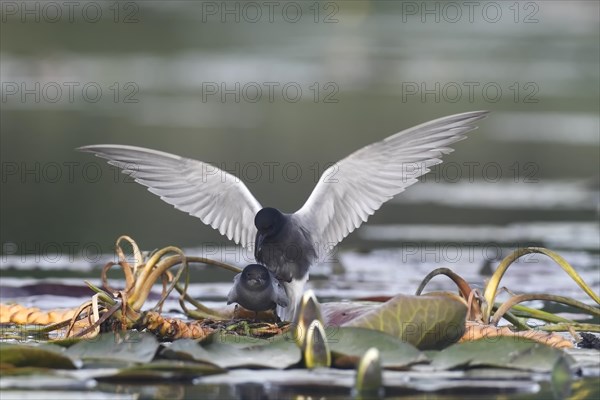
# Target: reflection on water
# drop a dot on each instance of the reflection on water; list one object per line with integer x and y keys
{"x": 499, "y": 195}
{"x": 576, "y": 235}
{"x": 575, "y": 128}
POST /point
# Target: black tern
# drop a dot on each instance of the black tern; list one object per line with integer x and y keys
{"x": 288, "y": 244}
{"x": 257, "y": 289}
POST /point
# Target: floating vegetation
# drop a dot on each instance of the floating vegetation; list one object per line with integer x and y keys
{"x": 484, "y": 313}
{"x": 433, "y": 331}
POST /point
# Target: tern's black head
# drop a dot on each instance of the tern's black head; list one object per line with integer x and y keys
{"x": 255, "y": 277}
{"x": 269, "y": 221}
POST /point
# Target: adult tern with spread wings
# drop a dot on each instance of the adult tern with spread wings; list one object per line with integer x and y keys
{"x": 288, "y": 244}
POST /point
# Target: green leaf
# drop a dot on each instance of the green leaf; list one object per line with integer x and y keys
{"x": 132, "y": 347}
{"x": 234, "y": 340}
{"x": 340, "y": 313}
{"x": 504, "y": 352}
{"x": 278, "y": 352}
{"x": 427, "y": 322}
{"x": 33, "y": 356}
{"x": 348, "y": 345}
{"x": 164, "y": 370}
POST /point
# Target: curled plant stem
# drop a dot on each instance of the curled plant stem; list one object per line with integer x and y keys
{"x": 201, "y": 311}
{"x": 463, "y": 286}
{"x": 148, "y": 276}
{"x": 137, "y": 254}
{"x": 541, "y": 296}
{"x": 96, "y": 325}
{"x": 140, "y": 280}
{"x": 79, "y": 314}
{"x": 174, "y": 280}
{"x": 127, "y": 271}
{"x": 492, "y": 286}
{"x": 473, "y": 307}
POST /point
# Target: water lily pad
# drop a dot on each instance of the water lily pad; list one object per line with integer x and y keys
{"x": 428, "y": 322}
{"x": 33, "y": 356}
{"x": 278, "y": 352}
{"x": 133, "y": 347}
{"x": 350, "y": 344}
{"x": 234, "y": 340}
{"x": 68, "y": 395}
{"x": 505, "y": 352}
{"x": 337, "y": 313}
{"x": 163, "y": 370}
{"x": 51, "y": 382}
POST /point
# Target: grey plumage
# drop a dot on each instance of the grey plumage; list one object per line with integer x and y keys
{"x": 345, "y": 196}
{"x": 257, "y": 289}
{"x": 282, "y": 244}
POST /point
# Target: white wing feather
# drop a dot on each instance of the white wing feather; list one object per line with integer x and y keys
{"x": 354, "y": 188}
{"x": 219, "y": 199}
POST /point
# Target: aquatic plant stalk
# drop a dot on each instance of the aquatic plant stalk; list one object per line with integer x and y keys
{"x": 541, "y": 296}
{"x": 492, "y": 286}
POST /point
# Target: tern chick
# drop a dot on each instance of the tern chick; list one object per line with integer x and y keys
{"x": 257, "y": 289}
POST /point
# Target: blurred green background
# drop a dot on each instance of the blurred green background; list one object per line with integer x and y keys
{"x": 184, "y": 77}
